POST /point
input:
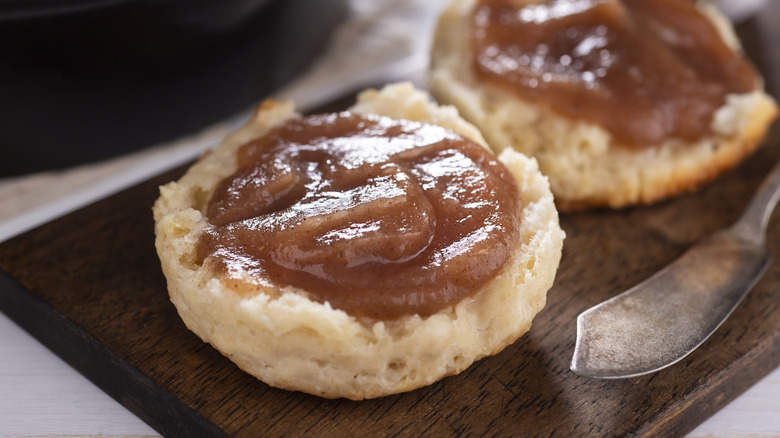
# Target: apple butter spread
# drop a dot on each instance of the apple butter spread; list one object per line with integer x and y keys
{"x": 378, "y": 217}
{"x": 645, "y": 70}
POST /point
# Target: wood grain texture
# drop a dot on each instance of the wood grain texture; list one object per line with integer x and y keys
{"x": 89, "y": 286}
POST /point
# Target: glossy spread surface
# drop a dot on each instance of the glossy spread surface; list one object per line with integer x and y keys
{"x": 646, "y": 70}
{"x": 379, "y": 217}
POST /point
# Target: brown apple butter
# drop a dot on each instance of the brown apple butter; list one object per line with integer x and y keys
{"x": 646, "y": 70}
{"x": 378, "y": 217}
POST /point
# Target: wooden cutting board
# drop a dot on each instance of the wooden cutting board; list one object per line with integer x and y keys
{"x": 89, "y": 286}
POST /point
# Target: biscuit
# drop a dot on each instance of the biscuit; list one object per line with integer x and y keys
{"x": 585, "y": 165}
{"x": 289, "y": 341}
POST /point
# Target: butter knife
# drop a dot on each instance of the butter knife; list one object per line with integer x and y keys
{"x": 663, "y": 319}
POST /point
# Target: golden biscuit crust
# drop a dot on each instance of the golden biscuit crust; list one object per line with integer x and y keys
{"x": 291, "y": 342}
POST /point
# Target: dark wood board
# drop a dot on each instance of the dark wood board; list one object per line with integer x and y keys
{"x": 89, "y": 286}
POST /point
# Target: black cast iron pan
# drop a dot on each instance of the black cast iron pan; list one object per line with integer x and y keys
{"x": 84, "y": 80}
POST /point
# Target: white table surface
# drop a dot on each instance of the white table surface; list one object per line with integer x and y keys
{"x": 42, "y": 396}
